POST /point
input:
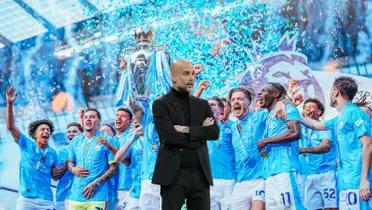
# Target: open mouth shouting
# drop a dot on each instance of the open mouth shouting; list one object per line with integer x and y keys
{"x": 45, "y": 135}
{"x": 88, "y": 124}
{"x": 119, "y": 123}
{"x": 238, "y": 109}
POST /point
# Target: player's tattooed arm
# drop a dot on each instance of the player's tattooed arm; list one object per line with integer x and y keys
{"x": 92, "y": 187}
{"x": 313, "y": 124}
{"x": 120, "y": 155}
{"x": 324, "y": 147}
{"x": 111, "y": 171}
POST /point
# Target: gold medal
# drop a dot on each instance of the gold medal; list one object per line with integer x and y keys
{"x": 154, "y": 147}
{"x": 263, "y": 154}
{"x": 86, "y": 147}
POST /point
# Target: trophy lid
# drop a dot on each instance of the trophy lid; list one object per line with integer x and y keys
{"x": 142, "y": 36}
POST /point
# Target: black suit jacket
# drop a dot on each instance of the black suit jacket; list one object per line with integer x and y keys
{"x": 168, "y": 112}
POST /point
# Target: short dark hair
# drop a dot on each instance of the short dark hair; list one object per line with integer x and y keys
{"x": 347, "y": 86}
{"x": 219, "y": 101}
{"x": 279, "y": 87}
{"x": 126, "y": 110}
{"x": 110, "y": 126}
{"x": 248, "y": 92}
{"x": 94, "y": 110}
{"x": 318, "y": 104}
{"x": 35, "y": 124}
{"x": 77, "y": 125}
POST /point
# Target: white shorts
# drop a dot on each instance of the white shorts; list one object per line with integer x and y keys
{"x": 246, "y": 192}
{"x": 133, "y": 204}
{"x": 150, "y": 198}
{"x": 319, "y": 190}
{"x": 33, "y": 204}
{"x": 221, "y": 192}
{"x": 281, "y": 192}
{"x": 123, "y": 197}
{"x": 61, "y": 205}
{"x": 350, "y": 200}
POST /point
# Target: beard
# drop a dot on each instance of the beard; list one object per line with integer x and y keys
{"x": 267, "y": 103}
{"x": 332, "y": 102}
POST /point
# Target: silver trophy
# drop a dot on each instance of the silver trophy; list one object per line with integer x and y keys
{"x": 145, "y": 70}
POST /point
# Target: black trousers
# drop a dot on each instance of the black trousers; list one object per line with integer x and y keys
{"x": 190, "y": 185}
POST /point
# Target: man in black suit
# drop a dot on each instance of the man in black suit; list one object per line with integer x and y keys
{"x": 183, "y": 123}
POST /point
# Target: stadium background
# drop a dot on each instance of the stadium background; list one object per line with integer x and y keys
{"x": 63, "y": 55}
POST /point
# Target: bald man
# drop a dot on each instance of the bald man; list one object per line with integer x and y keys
{"x": 183, "y": 123}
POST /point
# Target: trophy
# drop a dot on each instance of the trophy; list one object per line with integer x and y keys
{"x": 145, "y": 70}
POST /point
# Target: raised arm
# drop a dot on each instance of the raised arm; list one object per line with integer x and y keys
{"x": 10, "y": 125}
{"x": 202, "y": 86}
{"x": 81, "y": 117}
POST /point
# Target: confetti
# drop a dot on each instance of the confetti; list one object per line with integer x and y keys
{"x": 222, "y": 36}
